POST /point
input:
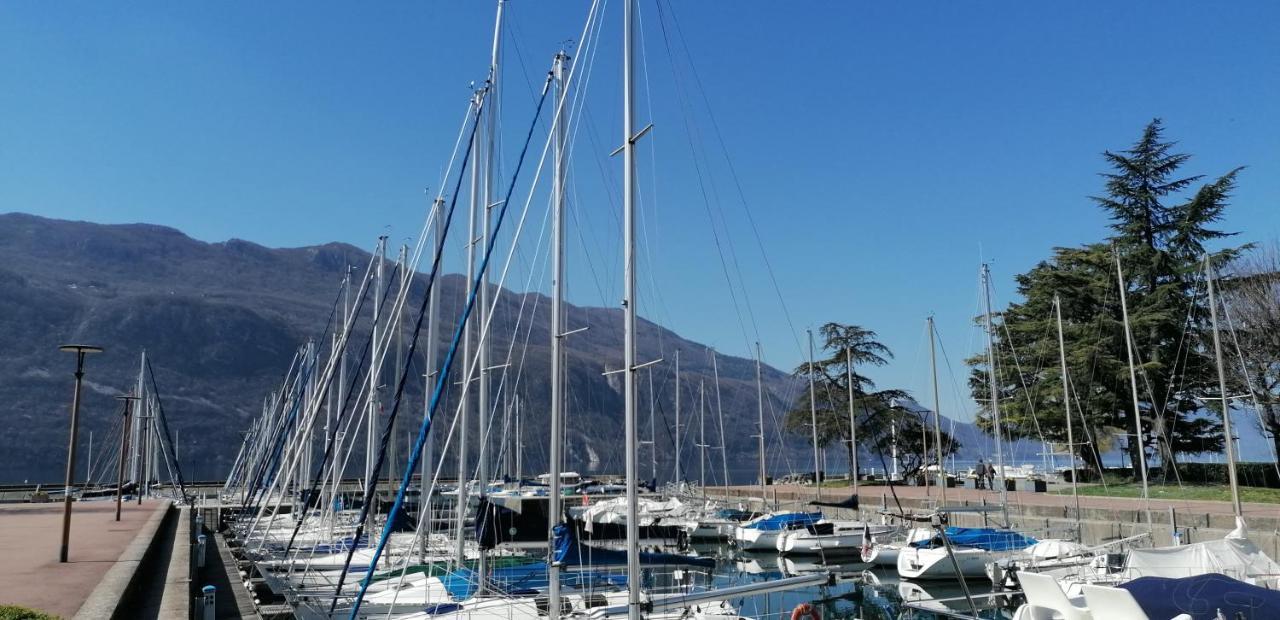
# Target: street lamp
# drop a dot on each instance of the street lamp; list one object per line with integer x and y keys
{"x": 80, "y": 350}
{"x": 124, "y": 442}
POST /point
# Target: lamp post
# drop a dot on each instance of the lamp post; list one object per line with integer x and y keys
{"x": 80, "y": 350}
{"x": 124, "y": 443}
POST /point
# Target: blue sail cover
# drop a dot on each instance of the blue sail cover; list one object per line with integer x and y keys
{"x": 987, "y": 538}
{"x": 1203, "y": 596}
{"x": 786, "y": 521}
{"x": 570, "y": 552}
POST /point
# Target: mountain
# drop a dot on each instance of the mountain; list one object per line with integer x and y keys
{"x": 220, "y": 323}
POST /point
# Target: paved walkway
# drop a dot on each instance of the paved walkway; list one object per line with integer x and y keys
{"x": 30, "y": 534}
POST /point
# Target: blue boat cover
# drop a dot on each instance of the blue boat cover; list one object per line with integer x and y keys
{"x": 1203, "y": 596}
{"x": 570, "y": 552}
{"x": 785, "y": 521}
{"x": 988, "y": 538}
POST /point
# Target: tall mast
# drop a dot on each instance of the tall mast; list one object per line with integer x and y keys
{"x": 1133, "y": 386}
{"x": 1066, "y": 401}
{"x": 396, "y": 323}
{"x": 995, "y": 394}
{"x": 1222, "y": 388}
{"x": 853, "y": 425}
{"x": 432, "y": 350}
{"x": 724, "y": 458}
{"x": 135, "y": 439}
{"x": 464, "y": 407}
{"x": 702, "y": 437}
{"x": 937, "y": 414}
{"x": 342, "y": 387}
{"x": 764, "y": 489}
{"x": 679, "y": 433}
{"x": 375, "y": 379}
{"x": 483, "y": 406}
{"x": 629, "y": 306}
{"x": 557, "y": 333}
{"x": 813, "y": 420}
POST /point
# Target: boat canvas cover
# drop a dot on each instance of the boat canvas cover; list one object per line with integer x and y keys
{"x": 986, "y": 538}
{"x": 1236, "y": 557}
{"x": 785, "y": 521}
{"x": 1203, "y": 597}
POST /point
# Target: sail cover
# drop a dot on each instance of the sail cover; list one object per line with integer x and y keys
{"x": 990, "y": 539}
{"x": 1236, "y": 557}
{"x": 1203, "y": 597}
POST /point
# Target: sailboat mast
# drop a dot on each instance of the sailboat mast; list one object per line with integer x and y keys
{"x": 853, "y": 424}
{"x": 724, "y": 448}
{"x": 813, "y": 420}
{"x": 482, "y": 316}
{"x": 679, "y": 434}
{"x": 1222, "y": 388}
{"x": 396, "y": 323}
{"x": 1133, "y": 385}
{"x": 464, "y": 408}
{"x": 629, "y": 306}
{"x": 995, "y": 395}
{"x": 702, "y": 437}
{"x": 937, "y": 413}
{"x": 375, "y": 376}
{"x": 557, "y": 334}
{"x": 764, "y": 489}
{"x": 1066, "y": 402}
{"x": 135, "y": 439}
{"x": 433, "y": 323}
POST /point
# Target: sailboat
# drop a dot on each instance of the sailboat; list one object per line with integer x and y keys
{"x": 965, "y": 552}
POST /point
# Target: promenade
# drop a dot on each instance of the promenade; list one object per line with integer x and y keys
{"x": 30, "y": 534}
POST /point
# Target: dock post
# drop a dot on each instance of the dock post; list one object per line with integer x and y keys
{"x": 200, "y": 546}
{"x": 208, "y": 603}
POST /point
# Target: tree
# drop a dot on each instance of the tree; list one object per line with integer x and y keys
{"x": 875, "y": 412}
{"x": 1160, "y": 238}
{"x": 1252, "y": 303}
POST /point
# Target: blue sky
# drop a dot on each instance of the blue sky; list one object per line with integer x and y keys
{"x": 884, "y": 149}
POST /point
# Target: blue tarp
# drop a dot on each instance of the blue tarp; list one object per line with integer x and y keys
{"x": 785, "y": 521}
{"x": 1203, "y": 596}
{"x": 990, "y": 539}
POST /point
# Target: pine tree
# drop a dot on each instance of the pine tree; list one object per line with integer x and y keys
{"x": 1160, "y": 241}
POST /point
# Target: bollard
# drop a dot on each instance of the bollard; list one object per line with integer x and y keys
{"x": 209, "y": 611}
{"x": 200, "y": 546}
{"x": 199, "y": 522}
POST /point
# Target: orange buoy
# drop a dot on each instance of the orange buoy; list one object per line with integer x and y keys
{"x": 805, "y": 610}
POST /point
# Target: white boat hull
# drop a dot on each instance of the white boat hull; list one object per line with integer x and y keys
{"x": 916, "y": 563}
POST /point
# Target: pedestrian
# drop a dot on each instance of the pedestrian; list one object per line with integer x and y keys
{"x": 982, "y": 474}
{"x": 991, "y": 476}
